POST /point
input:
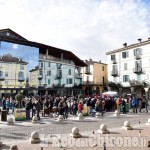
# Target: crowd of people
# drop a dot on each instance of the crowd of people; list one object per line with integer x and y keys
{"x": 73, "y": 105}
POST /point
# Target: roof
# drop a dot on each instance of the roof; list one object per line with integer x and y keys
{"x": 56, "y": 52}
{"x": 10, "y": 58}
{"x": 88, "y": 62}
{"x": 129, "y": 47}
{"x": 35, "y": 69}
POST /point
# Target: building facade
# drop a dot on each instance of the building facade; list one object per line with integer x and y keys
{"x": 36, "y": 68}
{"x": 129, "y": 68}
{"x": 94, "y": 77}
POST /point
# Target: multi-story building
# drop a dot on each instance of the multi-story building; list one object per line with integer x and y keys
{"x": 36, "y": 67}
{"x": 94, "y": 77}
{"x": 12, "y": 72}
{"x": 129, "y": 68}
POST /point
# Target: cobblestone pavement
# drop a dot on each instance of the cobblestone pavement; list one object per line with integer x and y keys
{"x": 21, "y": 131}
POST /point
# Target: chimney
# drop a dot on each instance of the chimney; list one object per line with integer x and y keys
{"x": 140, "y": 40}
{"x": 99, "y": 61}
{"x": 90, "y": 59}
{"x": 149, "y": 38}
{"x": 125, "y": 44}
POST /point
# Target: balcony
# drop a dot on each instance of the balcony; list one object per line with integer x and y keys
{"x": 137, "y": 70}
{"x": 114, "y": 61}
{"x": 87, "y": 71}
{"x": 2, "y": 78}
{"x": 58, "y": 76}
{"x": 77, "y": 75}
{"x": 40, "y": 77}
{"x": 114, "y": 73}
{"x": 40, "y": 67}
{"x": 137, "y": 56}
{"x": 112, "y": 84}
{"x": 88, "y": 83}
{"x": 139, "y": 83}
{"x": 21, "y": 79}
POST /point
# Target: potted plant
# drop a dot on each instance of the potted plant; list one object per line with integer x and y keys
{"x": 20, "y": 112}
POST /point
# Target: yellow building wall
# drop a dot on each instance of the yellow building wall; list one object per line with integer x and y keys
{"x": 12, "y": 79}
{"x": 33, "y": 79}
{"x": 98, "y": 75}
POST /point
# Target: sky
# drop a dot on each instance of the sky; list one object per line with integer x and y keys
{"x": 88, "y": 28}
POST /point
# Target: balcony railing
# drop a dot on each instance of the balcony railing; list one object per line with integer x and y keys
{"x": 88, "y": 83}
{"x": 21, "y": 79}
{"x": 76, "y": 75}
{"x": 114, "y": 73}
{"x": 2, "y": 78}
{"x": 40, "y": 77}
{"x": 58, "y": 76}
{"x": 87, "y": 71}
{"x": 137, "y": 70}
{"x": 113, "y": 61}
{"x": 138, "y": 56}
{"x": 51, "y": 58}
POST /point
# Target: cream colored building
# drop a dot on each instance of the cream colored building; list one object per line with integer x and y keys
{"x": 94, "y": 77}
{"x": 33, "y": 77}
{"x": 12, "y": 72}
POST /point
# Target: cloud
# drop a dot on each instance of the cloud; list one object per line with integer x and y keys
{"x": 88, "y": 28}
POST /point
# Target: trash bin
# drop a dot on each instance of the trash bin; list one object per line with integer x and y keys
{"x": 4, "y": 115}
{"x": 127, "y": 107}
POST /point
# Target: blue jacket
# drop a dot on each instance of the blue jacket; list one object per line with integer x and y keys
{"x": 134, "y": 102}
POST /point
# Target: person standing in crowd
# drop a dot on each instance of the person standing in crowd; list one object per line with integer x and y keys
{"x": 7, "y": 105}
{"x": 33, "y": 108}
{"x": 124, "y": 106}
{"x": 65, "y": 110}
{"x": 38, "y": 108}
{"x": 28, "y": 107}
{"x": 80, "y": 107}
{"x": 118, "y": 103}
{"x": 61, "y": 108}
{"x": 75, "y": 108}
{"x": 99, "y": 106}
{"x": 4, "y": 103}
{"x": 134, "y": 104}
{"x": 143, "y": 104}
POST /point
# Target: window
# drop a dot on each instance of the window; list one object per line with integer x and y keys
{"x": 69, "y": 81}
{"x": 125, "y": 66}
{"x": 1, "y": 73}
{"x": 69, "y": 72}
{"x": 40, "y": 73}
{"x": 49, "y": 64}
{"x": 103, "y": 80}
{"x": 20, "y": 74}
{"x": 6, "y": 74}
{"x": 7, "y": 66}
{"x": 21, "y": 67}
{"x": 41, "y": 65}
{"x": 113, "y": 57}
{"x": 125, "y": 54}
{"x": 87, "y": 78}
{"x": 49, "y": 73}
{"x": 138, "y": 64}
{"x": 137, "y": 51}
{"x": 49, "y": 81}
{"x": 125, "y": 78}
{"x": 59, "y": 73}
{"x": 87, "y": 69}
{"x": 114, "y": 68}
{"x": 6, "y": 82}
{"x": 103, "y": 67}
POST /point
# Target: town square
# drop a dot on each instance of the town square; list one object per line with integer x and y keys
{"x": 74, "y": 74}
